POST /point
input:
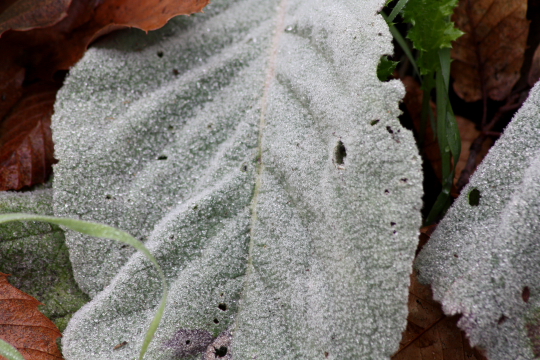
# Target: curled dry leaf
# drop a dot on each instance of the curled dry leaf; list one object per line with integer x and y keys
{"x": 31, "y": 14}
{"x": 26, "y": 147}
{"x": 44, "y": 51}
{"x": 488, "y": 58}
{"x": 40, "y": 53}
{"x": 24, "y": 327}
{"x": 534, "y": 72}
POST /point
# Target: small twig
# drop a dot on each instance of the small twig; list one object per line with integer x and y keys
{"x": 419, "y": 335}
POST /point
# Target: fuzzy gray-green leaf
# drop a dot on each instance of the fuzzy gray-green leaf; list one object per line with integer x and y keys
{"x": 483, "y": 261}
{"x": 255, "y": 152}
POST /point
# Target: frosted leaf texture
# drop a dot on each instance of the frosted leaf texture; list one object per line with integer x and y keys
{"x": 483, "y": 261}
{"x": 258, "y": 156}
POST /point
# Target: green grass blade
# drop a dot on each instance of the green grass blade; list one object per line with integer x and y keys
{"x": 9, "y": 352}
{"x": 441, "y": 204}
{"x": 402, "y": 42}
{"x": 396, "y": 10}
{"x": 452, "y": 130}
{"x": 106, "y": 232}
{"x": 442, "y": 105}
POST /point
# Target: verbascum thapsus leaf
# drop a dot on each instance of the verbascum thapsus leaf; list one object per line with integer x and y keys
{"x": 255, "y": 152}
{"x": 483, "y": 261}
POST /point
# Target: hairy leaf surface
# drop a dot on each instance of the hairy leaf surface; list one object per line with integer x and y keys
{"x": 483, "y": 259}
{"x": 261, "y": 160}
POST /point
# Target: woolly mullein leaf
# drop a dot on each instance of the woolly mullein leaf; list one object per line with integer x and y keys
{"x": 255, "y": 152}
{"x": 483, "y": 259}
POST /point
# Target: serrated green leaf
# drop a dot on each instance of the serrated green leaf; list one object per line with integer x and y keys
{"x": 386, "y": 68}
{"x": 432, "y": 30}
{"x": 257, "y": 155}
{"x": 483, "y": 261}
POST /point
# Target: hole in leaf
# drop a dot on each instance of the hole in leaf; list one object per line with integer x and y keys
{"x": 170, "y": 127}
{"x": 474, "y": 197}
{"x": 222, "y": 307}
{"x": 326, "y": 354}
{"x": 386, "y": 68}
{"x": 188, "y": 342}
{"x": 386, "y": 191}
{"x": 162, "y": 157}
{"x": 221, "y": 352}
{"x": 502, "y": 319}
{"x": 389, "y": 129}
{"x": 340, "y": 153}
{"x": 159, "y": 53}
{"x": 244, "y": 168}
{"x": 175, "y": 72}
{"x": 456, "y": 255}
{"x": 216, "y": 321}
{"x": 171, "y": 237}
{"x": 108, "y": 197}
{"x": 526, "y": 294}
{"x": 374, "y": 122}
{"x": 392, "y": 224}
{"x": 404, "y": 180}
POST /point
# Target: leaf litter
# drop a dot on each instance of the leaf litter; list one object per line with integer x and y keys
{"x": 24, "y": 327}
{"x": 489, "y": 56}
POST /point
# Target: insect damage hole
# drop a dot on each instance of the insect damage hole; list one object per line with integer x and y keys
{"x": 340, "y": 153}
{"x": 526, "y": 294}
{"x": 221, "y": 352}
{"x": 222, "y": 307}
{"x": 474, "y": 197}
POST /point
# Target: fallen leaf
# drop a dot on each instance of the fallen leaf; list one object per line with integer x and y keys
{"x": 429, "y": 333}
{"x": 11, "y": 80}
{"x": 26, "y": 147}
{"x": 43, "y": 51}
{"x": 534, "y": 72}
{"x": 29, "y": 14}
{"x": 488, "y": 58}
{"x": 24, "y": 327}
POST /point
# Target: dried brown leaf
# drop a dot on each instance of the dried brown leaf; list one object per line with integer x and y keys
{"x": 30, "y": 14}
{"x": 488, "y": 58}
{"x": 26, "y": 147}
{"x": 429, "y": 333}
{"x": 534, "y": 72}
{"x": 24, "y": 327}
{"x": 11, "y": 80}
